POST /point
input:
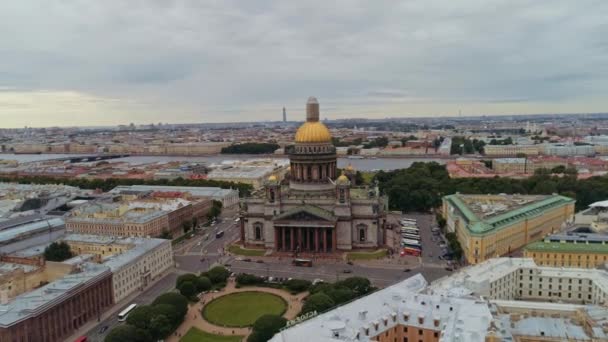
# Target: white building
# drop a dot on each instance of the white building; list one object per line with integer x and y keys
{"x": 228, "y": 197}
{"x": 503, "y": 299}
{"x": 134, "y": 262}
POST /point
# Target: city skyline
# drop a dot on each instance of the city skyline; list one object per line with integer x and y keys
{"x": 81, "y": 64}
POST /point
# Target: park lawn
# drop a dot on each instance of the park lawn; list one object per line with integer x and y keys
{"x": 236, "y": 249}
{"x": 197, "y": 335}
{"x": 242, "y": 309}
{"x": 381, "y": 253}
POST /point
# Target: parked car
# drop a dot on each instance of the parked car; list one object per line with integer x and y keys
{"x": 449, "y": 269}
{"x": 260, "y": 261}
{"x": 103, "y": 329}
{"x": 349, "y": 262}
{"x": 406, "y": 270}
{"x": 347, "y": 271}
{"x": 247, "y": 259}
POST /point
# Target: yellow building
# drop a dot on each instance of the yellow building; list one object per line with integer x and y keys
{"x": 117, "y": 220}
{"x": 575, "y": 250}
{"x": 510, "y": 165}
{"x": 489, "y": 226}
{"x": 511, "y": 150}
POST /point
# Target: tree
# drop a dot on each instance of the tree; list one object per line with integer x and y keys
{"x": 216, "y": 209}
{"x": 140, "y": 316}
{"x": 248, "y": 279}
{"x": 127, "y": 333}
{"x": 191, "y": 277}
{"x": 297, "y": 285}
{"x": 218, "y": 274}
{"x": 187, "y": 226}
{"x": 359, "y": 285}
{"x": 160, "y": 327}
{"x": 178, "y": 301}
{"x": 204, "y": 284}
{"x": 250, "y": 148}
{"x": 168, "y": 311}
{"x": 319, "y": 302}
{"x": 57, "y": 251}
{"x": 265, "y": 327}
{"x": 340, "y": 294}
{"x": 187, "y": 289}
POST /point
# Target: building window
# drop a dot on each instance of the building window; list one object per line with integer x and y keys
{"x": 362, "y": 229}
{"x": 258, "y": 231}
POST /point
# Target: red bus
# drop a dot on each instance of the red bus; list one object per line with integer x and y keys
{"x": 81, "y": 339}
{"x": 411, "y": 251}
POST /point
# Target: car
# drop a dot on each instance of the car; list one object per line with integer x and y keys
{"x": 237, "y": 219}
{"x": 103, "y": 329}
{"x": 260, "y": 261}
{"x": 347, "y": 271}
{"x": 406, "y": 270}
{"x": 449, "y": 269}
{"x": 443, "y": 245}
{"x": 227, "y": 265}
{"x": 246, "y": 259}
{"x": 199, "y": 243}
{"x": 349, "y": 262}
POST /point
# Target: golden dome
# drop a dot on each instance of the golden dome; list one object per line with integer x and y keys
{"x": 272, "y": 178}
{"x": 313, "y": 132}
{"x": 343, "y": 178}
{"x": 350, "y": 168}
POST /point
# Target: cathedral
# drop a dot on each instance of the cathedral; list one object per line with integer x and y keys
{"x": 314, "y": 209}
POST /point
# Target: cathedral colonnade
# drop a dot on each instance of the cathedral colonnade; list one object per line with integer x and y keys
{"x": 305, "y": 239}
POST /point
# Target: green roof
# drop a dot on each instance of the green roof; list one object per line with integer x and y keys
{"x": 565, "y": 247}
{"x": 479, "y": 226}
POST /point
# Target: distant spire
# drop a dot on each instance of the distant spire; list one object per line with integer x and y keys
{"x": 284, "y": 115}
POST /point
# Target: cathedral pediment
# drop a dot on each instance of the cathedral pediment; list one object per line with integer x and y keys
{"x": 306, "y": 213}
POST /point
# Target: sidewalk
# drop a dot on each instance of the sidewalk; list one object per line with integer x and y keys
{"x": 194, "y": 316}
{"x": 83, "y": 330}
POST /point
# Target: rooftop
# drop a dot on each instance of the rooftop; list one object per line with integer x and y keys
{"x": 483, "y": 213}
{"x": 587, "y": 243}
{"x": 140, "y": 246}
{"x": 212, "y": 192}
{"x": 32, "y": 303}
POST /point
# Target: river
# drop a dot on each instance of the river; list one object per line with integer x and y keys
{"x": 366, "y": 164}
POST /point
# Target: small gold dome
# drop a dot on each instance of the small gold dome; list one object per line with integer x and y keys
{"x": 343, "y": 178}
{"x": 272, "y": 178}
{"x": 350, "y": 167}
{"x": 313, "y": 132}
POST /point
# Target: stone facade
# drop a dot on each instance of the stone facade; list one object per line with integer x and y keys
{"x": 314, "y": 210}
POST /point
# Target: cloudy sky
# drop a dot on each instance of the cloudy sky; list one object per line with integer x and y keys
{"x": 114, "y": 62}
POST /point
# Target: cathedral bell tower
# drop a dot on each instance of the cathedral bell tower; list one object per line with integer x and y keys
{"x": 312, "y": 158}
{"x": 343, "y": 190}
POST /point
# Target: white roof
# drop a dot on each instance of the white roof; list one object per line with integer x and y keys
{"x": 600, "y": 204}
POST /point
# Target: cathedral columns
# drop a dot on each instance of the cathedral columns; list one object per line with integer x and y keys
{"x": 316, "y": 240}
{"x": 283, "y": 245}
{"x": 292, "y": 240}
{"x": 325, "y": 249}
{"x": 300, "y": 238}
{"x": 276, "y": 238}
{"x": 334, "y": 240}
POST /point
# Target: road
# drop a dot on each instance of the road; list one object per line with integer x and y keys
{"x": 381, "y": 273}
{"x": 146, "y": 297}
{"x": 189, "y": 253}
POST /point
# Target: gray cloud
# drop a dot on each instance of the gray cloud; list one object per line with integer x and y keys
{"x": 186, "y": 60}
